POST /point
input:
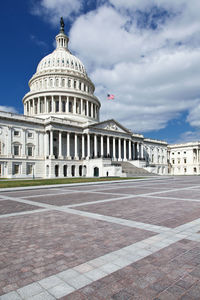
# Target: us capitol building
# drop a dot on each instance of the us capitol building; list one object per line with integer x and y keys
{"x": 60, "y": 133}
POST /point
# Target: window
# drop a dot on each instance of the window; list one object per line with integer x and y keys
{"x": 16, "y": 169}
{"x": 63, "y": 106}
{"x": 16, "y": 133}
{"x": 75, "y": 84}
{"x": 29, "y": 169}
{"x": 69, "y": 83}
{"x": 57, "y": 106}
{"x": 16, "y": 149}
{"x": 30, "y": 134}
{"x": 30, "y": 151}
{"x": 178, "y": 152}
{"x": 70, "y": 106}
{"x": 172, "y": 153}
{"x": 0, "y": 148}
{"x": 173, "y": 161}
{"x": 185, "y": 170}
{"x": 178, "y": 160}
{"x": 184, "y": 152}
{"x": 195, "y": 170}
{"x": 1, "y": 169}
{"x": 185, "y": 160}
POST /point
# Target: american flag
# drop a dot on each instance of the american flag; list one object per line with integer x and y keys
{"x": 110, "y": 96}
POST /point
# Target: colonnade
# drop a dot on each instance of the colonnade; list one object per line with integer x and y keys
{"x": 61, "y": 104}
{"x": 72, "y": 145}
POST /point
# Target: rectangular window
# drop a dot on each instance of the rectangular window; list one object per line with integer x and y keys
{"x": 15, "y": 169}
{"x": 0, "y": 148}
{"x": 29, "y": 169}
{"x": 69, "y": 83}
{"x": 16, "y": 150}
{"x": 50, "y": 106}
{"x": 75, "y": 84}
{"x": 63, "y": 106}
{"x": 57, "y": 106}
{"x": 30, "y": 151}
{"x": 30, "y": 134}
{"x": 185, "y": 160}
{"x": 173, "y": 161}
{"x": 70, "y": 106}
{"x": 1, "y": 169}
{"x": 16, "y": 133}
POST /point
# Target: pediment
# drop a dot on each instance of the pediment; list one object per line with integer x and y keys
{"x": 111, "y": 125}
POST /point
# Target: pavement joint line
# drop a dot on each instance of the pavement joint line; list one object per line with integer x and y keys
{"x": 45, "y": 195}
{"x": 174, "y": 198}
{"x": 129, "y": 223}
{"x": 70, "y": 280}
{"x": 23, "y": 213}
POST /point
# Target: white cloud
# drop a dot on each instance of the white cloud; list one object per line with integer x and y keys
{"x": 8, "y": 109}
{"x": 189, "y": 136}
{"x": 154, "y": 72}
{"x": 52, "y": 10}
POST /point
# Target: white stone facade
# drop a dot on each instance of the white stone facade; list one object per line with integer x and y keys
{"x": 60, "y": 135}
{"x": 184, "y": 159}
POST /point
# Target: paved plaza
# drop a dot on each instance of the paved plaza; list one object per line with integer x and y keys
{"x": 125, "y": 240}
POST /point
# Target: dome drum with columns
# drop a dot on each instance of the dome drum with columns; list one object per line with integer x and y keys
{"x": 61, "y": 87}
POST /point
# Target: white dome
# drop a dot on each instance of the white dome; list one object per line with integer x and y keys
{"x": 60, "y": 59}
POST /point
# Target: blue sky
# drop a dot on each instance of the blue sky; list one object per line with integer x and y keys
{"x": 147, "y": 53}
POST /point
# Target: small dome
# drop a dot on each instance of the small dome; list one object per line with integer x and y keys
{"x": 60, "y": 59}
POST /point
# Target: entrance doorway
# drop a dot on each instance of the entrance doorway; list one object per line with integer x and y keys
{"x": 96, "y": 172}
{"x": 56, "y": 170}
{"x": 65, "y": 170}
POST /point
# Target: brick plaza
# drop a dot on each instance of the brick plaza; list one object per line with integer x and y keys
{"x": 125, "y": 240}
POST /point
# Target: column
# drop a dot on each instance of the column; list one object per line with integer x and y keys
{"x": 37, "y": 144}
{"x": 95, "y": 145}
{"x": 9, "y": 141}
{"x": 129, "y": 151}
{"x": 51, "y": 142}
{"x": 125, "y": 149}
{"x": 60, "y": 105}
{"x": 75, "y": 147}
{"x": 142, "y": 151}
{"x": 83, "y": 146}
{"x": 92, "y": 110}
{"x": 81, "y": 106}
{"x": 33, "y": 108}
{"x": 88, "y": 146}
{"x": 38, "y": 106}
{"x": 87, "y": 103}
{"x": 52, "y": 105}
{"x": 74, "y": 110}
{"x": 23, "y": 142}
{"x": 114, "y": 149}
{"x": 45, "y": 104}
{"x": 133, "y": 150}
{"x": 108, "y": 146}
{"x": 101, "y": 145}
{"x": 68, "y": 146}
{"x": 138, "y": 151}
{"x": 60, "y": 144}
{"x": 119, "y": 149}
{"x": 46, "y": 143}
{"x": 67, "y": 104}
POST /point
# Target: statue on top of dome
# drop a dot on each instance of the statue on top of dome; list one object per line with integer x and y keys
{"x": 62, "y": 25}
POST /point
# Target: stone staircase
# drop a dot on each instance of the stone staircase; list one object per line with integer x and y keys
{"x": 131, "y": 170}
